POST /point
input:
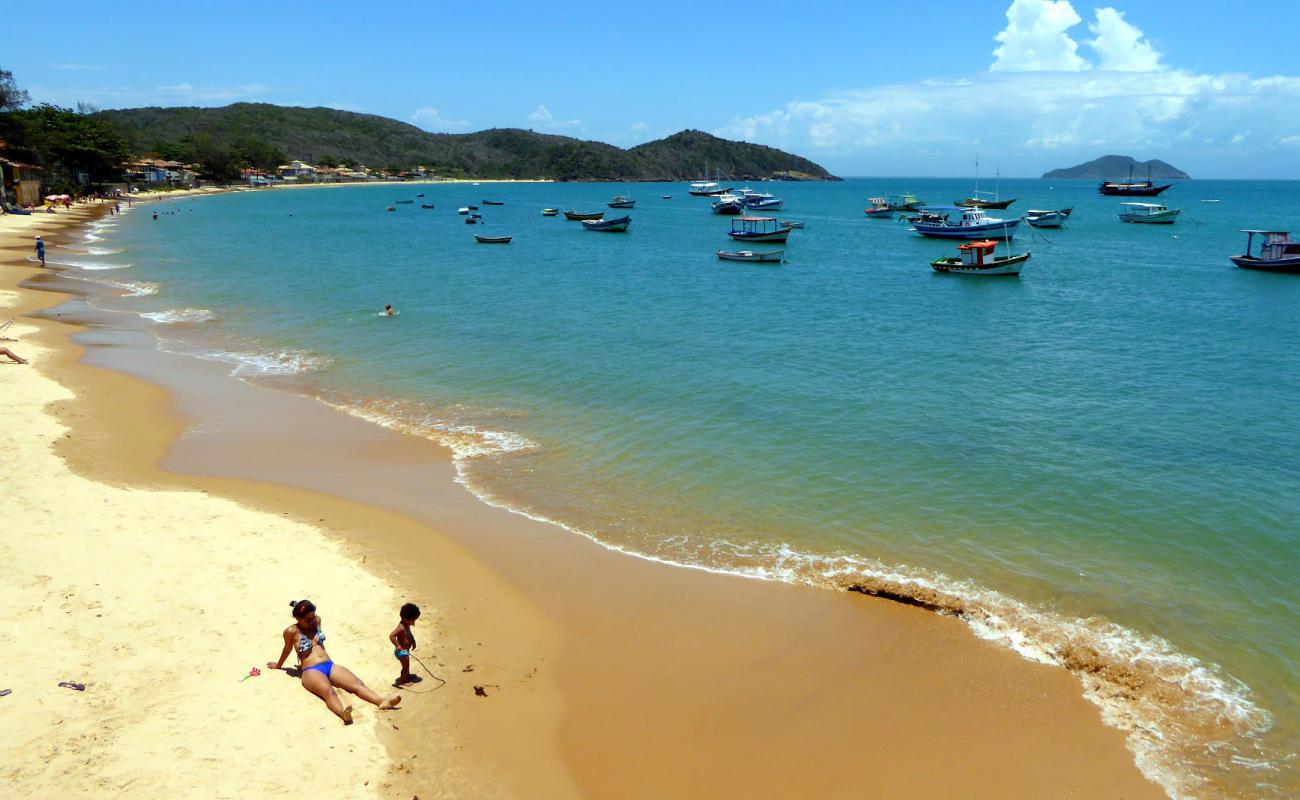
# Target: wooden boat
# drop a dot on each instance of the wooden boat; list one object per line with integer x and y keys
{"x": 757, "y": 229}
{"x": 1150, "y": 213}
{"x": 976, "y": 258}
{"x": 904, "y": 202}
{"x": 1132, "y": 188}
{"x": 621, "y": 201}
{"x": 770, "y": 257}
{"x": 980, "y": 199}
{"x": 390, "y": 208}
{"x": 426, "y": 205}
{"x": 727, "y": 205}
{"x": 550, "y": 212}
{"x": 791, "y": 223}
{"x": 879, "y": 208}
{"x": 403, "y": 202}
{"x": 935, "y": 223}
{"x": 492, "y": 239}
{"x": 571, "y": 215}
{"x": 1046, "y": 219}
{"x": 493, "y": 203}
{"x": 617, "y": 225}
{"x": 1277, "y": 253}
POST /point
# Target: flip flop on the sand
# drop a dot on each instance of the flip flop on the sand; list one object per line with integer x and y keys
{"x": 81, "y": 687}
{"x": 4, "y": 692}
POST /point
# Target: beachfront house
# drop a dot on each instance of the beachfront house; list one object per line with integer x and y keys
{"x": 159, "y": 171}
{"x": 297, "y": 170}
{"x": 20, "y": 183}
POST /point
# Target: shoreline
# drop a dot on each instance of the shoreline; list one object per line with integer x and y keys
{"x": 832, "y": 636}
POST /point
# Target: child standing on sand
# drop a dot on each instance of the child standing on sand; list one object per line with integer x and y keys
{"x": 404, "y": 641}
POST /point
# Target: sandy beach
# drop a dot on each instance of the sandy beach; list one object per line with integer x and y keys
{"x": 152, "y": 558}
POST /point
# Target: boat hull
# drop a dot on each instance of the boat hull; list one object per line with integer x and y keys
{"x": 1132, "y": 191}
{"x": 492, "y": 239}
{"x": 623, "y": 204}
{"x": 1163, "y": 218}
{"x": 619, "y": 225}
{"x": 771, "y": 257}
{"x": 575, "y": 215}
{"x": 768, "y": 236}
{"x": 1289, "y": 265}
{"x": 1052, "y": 219}
{"x": 879, "y": 213}
{"x": 971, "y": 202}
{"x": 764, "y": 205}
{"x": 1001, "y": 230}
{"x": 998, "y": 266}
{"x": 728, "y": 209}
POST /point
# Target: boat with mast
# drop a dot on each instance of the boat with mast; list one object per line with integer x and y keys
{"x": 980, "y": 199}
{"x": 1132, "y": 188}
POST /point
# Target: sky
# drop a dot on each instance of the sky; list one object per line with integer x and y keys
{"x": 863, "y": 88}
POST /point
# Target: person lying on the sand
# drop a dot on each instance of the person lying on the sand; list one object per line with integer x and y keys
{"x": 12, "y": 356}
{"x": 318, "y": 673}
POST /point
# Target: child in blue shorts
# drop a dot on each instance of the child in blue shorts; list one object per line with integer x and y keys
{"x": 404, "y": 641}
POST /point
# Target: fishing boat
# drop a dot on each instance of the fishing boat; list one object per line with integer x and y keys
{"x": 976, "y": 258}
{"x": 935, "y": 222}
{"x": 1132, "y": 188}
{"x": 621, "y": 201}
{"x": 578, "y": 215}
{"x": 879, "y": 208}
{"x": 757, "y": 229}
{"x": 403, "y": 202}
{"x": 463, "y": 210}
{"x": 392, "y": 208}
{"x": 617, "y": 225}
{"x": 550, "y": 212}
{"x": 980, "y": 199}
{"x": 473, "y": 219}
{"x": 727, "y": 204}
{"x": 492, "y": 239}
{"x": 1151, "y": 213}
{"x": 707, "y": 188}
{"x": 758, "y": 201}
{"x": 666, "y": 196}
{"x": 493, "y": 202}
{"x": 426, "y": 205}
{"x": 473, "y": 208}
{"x": 791, "y": 223}
{"x": 904, "y": 202}
{"x": 1277, "y": 253}
{"x": 770, "y": 257}
{"x": 1047, "y": 219}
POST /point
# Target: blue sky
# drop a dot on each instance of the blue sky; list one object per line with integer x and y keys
{"x": 862, "y": 88}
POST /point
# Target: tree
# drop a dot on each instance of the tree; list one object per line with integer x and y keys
{"x": 65, "y": 142}
{"x": 11, "y": 97}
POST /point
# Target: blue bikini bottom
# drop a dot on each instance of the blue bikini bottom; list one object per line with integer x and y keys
{"x": 324, "y": 667}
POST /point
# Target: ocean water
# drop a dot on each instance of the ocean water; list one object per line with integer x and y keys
{"x": 1097, "y": 464}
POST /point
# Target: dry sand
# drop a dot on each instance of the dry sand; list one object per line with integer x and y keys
{"x": 607, "y": 676}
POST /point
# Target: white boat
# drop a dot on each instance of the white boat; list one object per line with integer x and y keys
{"x": 1039, "y": 218}
{"x": 936, "y": 222}
{"x": 770, "y": 257}
{"x": 1152, "y": 213}
{"x": 463, "y": 210}
{"x": 621, "y": 201}
{"x": 976, "y": 258}
{"x": 707, "y": 188}
{"x": 1277, "y": 253}
{"x": 728, "y": 204}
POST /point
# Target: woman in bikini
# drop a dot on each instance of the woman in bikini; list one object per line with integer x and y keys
{"x": 319, "y": 674}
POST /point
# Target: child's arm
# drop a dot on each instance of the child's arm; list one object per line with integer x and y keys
{"x": 393, "y": 637}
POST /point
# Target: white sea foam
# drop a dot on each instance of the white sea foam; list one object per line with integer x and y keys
{"x": 177, "y": 316}
{"x": 466, "y": 441}
{"x": 132, "y": 288}
{"x": 94, "y": 266}
{"x": 258, "y": 363}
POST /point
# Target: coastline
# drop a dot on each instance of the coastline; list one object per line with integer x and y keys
{"x": 787, "y": 682}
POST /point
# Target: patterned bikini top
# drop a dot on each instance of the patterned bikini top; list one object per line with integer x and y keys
{"x": 305, "y": 645}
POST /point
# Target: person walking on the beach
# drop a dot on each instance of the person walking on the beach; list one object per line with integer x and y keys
{"x": 319, "y": 674}
{"x": 403, "y": 640}
{"x": 40, "y": 250}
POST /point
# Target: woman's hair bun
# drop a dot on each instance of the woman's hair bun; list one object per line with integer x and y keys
{"x": 293, "y": 603}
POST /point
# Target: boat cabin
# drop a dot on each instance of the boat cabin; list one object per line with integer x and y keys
{"x": 1275, "y": 244}
{"x": 755, "y": 226}
{"x": 975, "y": 254}
{"x": 1144, "y": 209}
{"x": 878, "y": 203}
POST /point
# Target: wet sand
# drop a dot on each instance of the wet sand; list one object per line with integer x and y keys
{"x": 605, "y": 675}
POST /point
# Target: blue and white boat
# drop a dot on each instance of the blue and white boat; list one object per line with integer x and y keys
{"x": 728, "y": 204}
{"x": 761, "y": 201}
{"x": 618, "y": 225}
{"x": 939, "y": 222}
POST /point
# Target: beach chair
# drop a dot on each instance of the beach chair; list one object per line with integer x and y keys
{"x": 4, "y": 327}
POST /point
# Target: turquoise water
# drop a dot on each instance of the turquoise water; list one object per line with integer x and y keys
{"x": 1100, "y": 459}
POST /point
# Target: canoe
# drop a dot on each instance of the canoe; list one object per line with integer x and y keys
{"x": 578, "y": 215}
{"x": 426, "y": 205}
{"x": 618, "y": 225}
{"x": 770, "y": 257}
{"x": 403, "y": 202}
{"x": 493, "y": 202}
{"x": 492, "y": 239}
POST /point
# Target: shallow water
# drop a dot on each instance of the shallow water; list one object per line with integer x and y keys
{"x": 1094, "y": 462}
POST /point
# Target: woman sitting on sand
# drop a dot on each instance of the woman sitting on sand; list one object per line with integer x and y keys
{"x": 319, "y": 674}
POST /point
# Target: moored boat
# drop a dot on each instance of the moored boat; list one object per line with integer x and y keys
{"x": 904, "y": 202}
{"x": 617, "y": 225}
{"x": 492, "y": 239}
{"x": 403, "y": 202}
{"x": 976, "y": 258}
{"x": 1132, "y": 188}
{"x": 770, "y": 257}
{"x": 758, "y": 229}
{"x": 879, "y": 208}
{"x": 426, "y": 205}
{"x": 473, "y": 219}
{"x": 707, "y": 189}
{"x": 1277, "y": 253}
{"x": 578, "y": 215}
{"x": 463, "y": 210}
{"x": 493, "y": 202}
{"x": 1150, "y": 213}
{"x": 762, "y": 202}
{"x": 621, "y": 201}
{"x": 1039, "y": 218}
{"x": 727, "y": 205}
{"x": 550, "y": 212}
{"x": 983, "y": 202}
{"x": 935, "y": 222}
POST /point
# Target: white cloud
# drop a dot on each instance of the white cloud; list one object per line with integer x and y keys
{"x": 543, "y": 118}
{"x": 1120, "y": 45}
{"x": 431, "y": 119}
{"x": 1238, "y": 139}
{"x": 1035, "y": 38}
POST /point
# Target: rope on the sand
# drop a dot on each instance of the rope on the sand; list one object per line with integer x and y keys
{"x": 407, "y": 687}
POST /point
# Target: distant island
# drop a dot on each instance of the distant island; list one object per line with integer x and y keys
{"x": 1119, "y": 167}
{"x": 267, "y": 136}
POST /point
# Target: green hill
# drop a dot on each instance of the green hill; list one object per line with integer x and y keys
{"x": 260, "y": 133}
{"x": 1120, "y": 167}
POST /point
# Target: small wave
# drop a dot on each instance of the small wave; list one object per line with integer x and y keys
{"x": 133, "y": 288}
{"x": 87, "y": 265}
{"x": 466, "y": 441}
{"x": 251, "y": 364}
{"x": 105, "y": 251}
{"x": 178, "y": 316}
